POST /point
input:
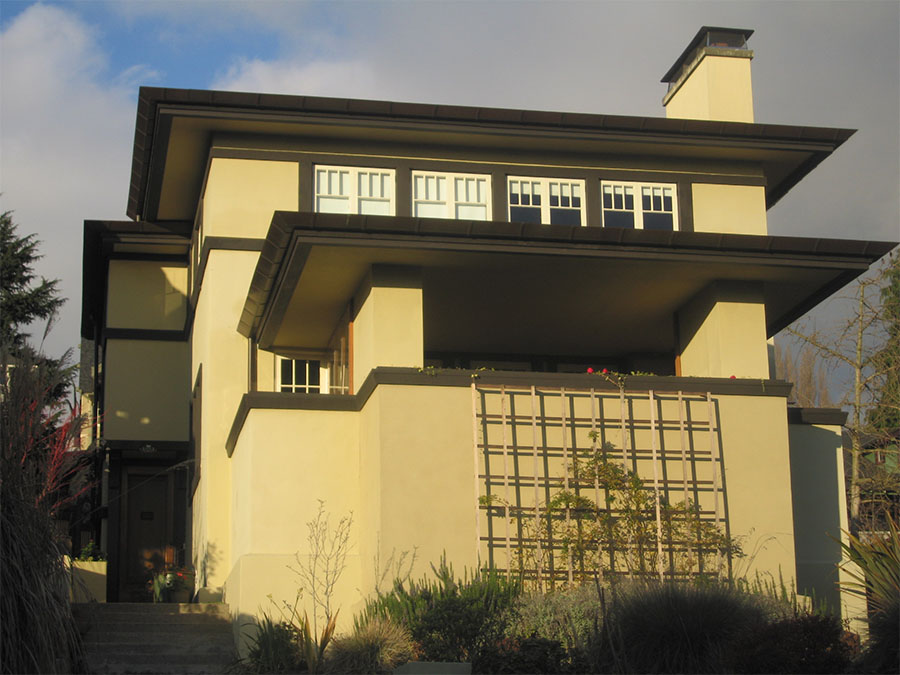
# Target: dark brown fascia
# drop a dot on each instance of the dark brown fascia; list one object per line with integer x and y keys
{"x": 156, "y": 106}
{"x": 99, "y": 235}
{"x": 440, "y": 377}
{"x": 826, "y": 416}
{"x": 270, "y": 288}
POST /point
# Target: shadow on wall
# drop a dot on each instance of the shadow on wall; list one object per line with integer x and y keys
{"x": 206, "y": 564}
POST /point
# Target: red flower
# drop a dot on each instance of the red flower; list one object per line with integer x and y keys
{"x": 733, "y": 377}
{"x": 605, "y": 371}
{"x": 590, "y": 370}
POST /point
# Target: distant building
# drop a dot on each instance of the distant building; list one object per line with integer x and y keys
{"x": 392, "y": 307}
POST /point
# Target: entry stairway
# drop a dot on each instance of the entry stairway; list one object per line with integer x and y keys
{"x": 133, "y": 637}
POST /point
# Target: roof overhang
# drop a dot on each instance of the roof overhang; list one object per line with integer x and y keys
{"x": 176, "y": 128}
{"x": 558, "y": 285}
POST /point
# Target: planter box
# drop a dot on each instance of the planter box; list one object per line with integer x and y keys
{"x": 88, "y": 583}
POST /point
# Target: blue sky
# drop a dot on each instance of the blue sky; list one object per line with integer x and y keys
{"x": 70, "y": 72}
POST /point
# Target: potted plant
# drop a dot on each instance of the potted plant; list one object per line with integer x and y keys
{"x": 88, "y": 575}
{"x": 172, "y": 584}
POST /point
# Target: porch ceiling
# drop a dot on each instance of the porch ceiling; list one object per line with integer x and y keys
{"x": 553, "y": 290}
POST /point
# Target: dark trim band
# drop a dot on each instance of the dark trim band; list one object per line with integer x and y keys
{"x": 826, "y": 416}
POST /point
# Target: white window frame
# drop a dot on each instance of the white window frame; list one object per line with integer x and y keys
{"x": 324, "y": 381}
{"x": 545, "y": 187}
{"x": 452, "y": 199}
{"x": 354, "y": 195}
{"x": 638, "y": 193}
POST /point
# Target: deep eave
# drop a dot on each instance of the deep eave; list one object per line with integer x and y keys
{"x": 157, "y": 107}
{"x": 292, "y": 236}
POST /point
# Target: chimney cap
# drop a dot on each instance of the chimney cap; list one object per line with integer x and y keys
{"x": 709, "y": 36}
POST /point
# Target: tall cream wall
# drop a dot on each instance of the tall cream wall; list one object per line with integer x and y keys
{"x": 732, "y": 209}
{"x": 242, "y": 194}
{"x": 223, "y": 354}
{"x": 755, "y": 452}
{"x": 820, "y": 515}
{"x": 146, "y": 295}
{"x": 722, "y": 332}
{"x": 718, "y": 88}
{"x": 388, "y": 326}
{"x": 146, "y": 390}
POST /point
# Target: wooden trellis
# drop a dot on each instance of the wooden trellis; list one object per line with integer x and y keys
{"x": 530, "y": 443}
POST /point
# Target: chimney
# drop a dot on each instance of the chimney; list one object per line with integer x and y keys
{"x": 711, "y": 78}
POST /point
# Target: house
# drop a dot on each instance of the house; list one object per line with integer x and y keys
{"x": 393, "y": 307}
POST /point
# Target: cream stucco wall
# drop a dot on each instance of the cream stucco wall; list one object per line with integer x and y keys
{"x": 722, "y": 332}
{"x": 733, "y": 209}
{"x": 146, "y": 295}
{"x": 242, "y": 194}
{"x": 146, "y": 390}
{"x": 224, "y": 355}
{"x": 719, "y": 88}
{"x": 820, "y": 516}
{"x": 756, "y": 456}
{"x": 388, "y": 327}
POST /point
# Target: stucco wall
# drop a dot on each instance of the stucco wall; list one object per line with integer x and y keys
{"x": 146, "y": 390}
{"x": 719, "y": 88}
{"x": 146, "y": 295}
{"x": 734, "y": 209}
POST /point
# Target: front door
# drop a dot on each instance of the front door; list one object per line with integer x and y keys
{"x": 148, "y": 531}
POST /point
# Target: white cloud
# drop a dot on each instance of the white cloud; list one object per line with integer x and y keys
{"x": 351, "y": 79}
{"x": 66, "y": 141}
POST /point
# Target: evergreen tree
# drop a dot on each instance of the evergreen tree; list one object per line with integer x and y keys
{"x": 22, "y": 298}
{"x": 884, "y": 417}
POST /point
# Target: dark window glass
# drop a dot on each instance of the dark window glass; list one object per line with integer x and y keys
{"x": 526, "y": 199}
{"x": 657, "y": 202}
{"x": 565, "y": 200}
{"x": 513, "y": 197}
{"x": 535, "y": 200}
{"x": 629, "y": 201}
{"x": 576, "y": 202}
{"x": 667, "y": 203}
{"x": 554, "y": 200}
{"x": 618, "y": 200}
{"x": 314, "y": 374}
{"x": 300, "y": 372}
{"x": 645, "y": 201}
{"x": 607, "y": 200}
{"x": 565, "y": 217}
{"x": 658, "y": 221}
{"x": 287, "y": 371}
{"x": 524, "y": 214}
{"x": 618, "y": 219}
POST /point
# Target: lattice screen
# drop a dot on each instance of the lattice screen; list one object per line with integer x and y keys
{"x": 576, "y": 484}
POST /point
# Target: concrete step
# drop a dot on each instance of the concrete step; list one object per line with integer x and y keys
{"x": 156, "y": 638}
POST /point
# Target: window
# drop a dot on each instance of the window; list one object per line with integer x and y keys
{"x": 546, "y": 200}
{"x": 639, "y": 206}
{"x": 306, "y": 376}
{"x": 451, "y": 195}
{"x": 345, "y": 189}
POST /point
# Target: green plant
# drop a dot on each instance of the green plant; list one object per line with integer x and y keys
{"x": 671, "y": 627}
{"x": 566, "y": 616}
{"x": 450, "y": 619}
{"x": 91, "y": 551}
{"x": 274, "y": 647}
{"x": 802, "y": 643}
{"x": 882, "y": 652}
{"x": 376, "y": 646}
{"x": 525, "y": 655}
{"x": 873, "y": 563}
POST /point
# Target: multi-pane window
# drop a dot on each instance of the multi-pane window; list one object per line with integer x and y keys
{"x": 302, "y": 376}
{"x": 451, "y": 195}
{"x": 546, "y": 200}
{"x": 345, "y": 189}
{"x": 639, "y": 206}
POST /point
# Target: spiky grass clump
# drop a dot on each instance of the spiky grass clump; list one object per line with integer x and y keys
{"x": 672, "y": 628}
{"x": 377, "y": 646}
{"x": 274, "y": 648}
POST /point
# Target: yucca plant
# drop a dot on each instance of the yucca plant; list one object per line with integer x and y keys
{"x": 873, "y": 564}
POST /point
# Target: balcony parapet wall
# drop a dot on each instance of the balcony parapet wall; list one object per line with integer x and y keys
{"x": 437, "y": 377}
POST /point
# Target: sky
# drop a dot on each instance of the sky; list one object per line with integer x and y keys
{"x": 70, "y": 73}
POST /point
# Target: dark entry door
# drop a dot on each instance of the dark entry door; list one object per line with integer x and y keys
{"x": 148, "y": 532}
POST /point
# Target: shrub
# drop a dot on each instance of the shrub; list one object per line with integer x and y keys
{"x": 671, "y": 628}
{"x": 882, "y": 653}
{"x": 275, "y": 648}
{"x": 450, "y": 619}
{"x": 804, "y": 643}
{"x": 567, "y": 616}
{"x": 524, "y": 655}
{"x": 376, "y": 646}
